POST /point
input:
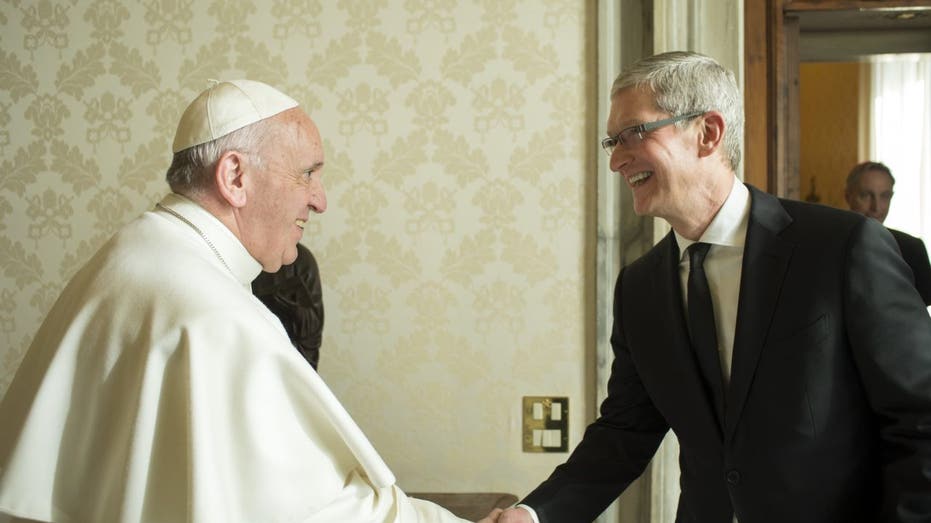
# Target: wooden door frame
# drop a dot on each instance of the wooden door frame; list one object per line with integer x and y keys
{"x": 771, "y": 61}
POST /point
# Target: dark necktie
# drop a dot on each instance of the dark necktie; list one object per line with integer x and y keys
{"x": 702, "y": 327}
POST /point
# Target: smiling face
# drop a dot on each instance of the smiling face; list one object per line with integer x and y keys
{"x": 660, "y": 170}
{"x": 285, "y": 188}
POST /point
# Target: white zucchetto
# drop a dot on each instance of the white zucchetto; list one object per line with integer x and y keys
{"x": 225, "y": 107}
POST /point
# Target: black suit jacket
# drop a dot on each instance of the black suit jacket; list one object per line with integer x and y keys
{"x": 916, "y": 256}
{"x": 828, "y": 411}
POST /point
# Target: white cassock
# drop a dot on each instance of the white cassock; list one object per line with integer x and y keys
{"x": 158, "y": 389}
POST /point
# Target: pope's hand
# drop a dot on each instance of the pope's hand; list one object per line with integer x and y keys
{"x": 491, "y": 517}
{"x": 515, "y": 515}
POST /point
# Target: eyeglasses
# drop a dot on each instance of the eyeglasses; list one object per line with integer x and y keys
{"x": 634, "y": 135}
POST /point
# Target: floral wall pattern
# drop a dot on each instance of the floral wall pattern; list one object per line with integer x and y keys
{"x": 459, "y": 143}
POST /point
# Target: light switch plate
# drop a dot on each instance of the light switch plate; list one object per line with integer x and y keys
{"x": 552, "y": 434}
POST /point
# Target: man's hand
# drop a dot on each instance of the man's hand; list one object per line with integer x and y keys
{"x": 491, "y": 517}
{"x": 515, "y": 515}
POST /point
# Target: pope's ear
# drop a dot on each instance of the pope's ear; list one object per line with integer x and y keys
{"x": 228, "y": 174}
{"x": 712, "y": 133}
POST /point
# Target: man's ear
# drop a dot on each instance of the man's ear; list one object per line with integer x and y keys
{"x": 712, "y": 133}
{"x": 229, "y": 174}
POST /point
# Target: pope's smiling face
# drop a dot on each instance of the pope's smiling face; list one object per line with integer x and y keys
{"x": 286, "y": 188}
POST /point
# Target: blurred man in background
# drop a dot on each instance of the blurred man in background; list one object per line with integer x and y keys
{"x": 869, "y": 192}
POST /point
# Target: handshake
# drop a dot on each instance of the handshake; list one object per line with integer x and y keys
{"x": 510, "y": 515}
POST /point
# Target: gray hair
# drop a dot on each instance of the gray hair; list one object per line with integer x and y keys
{"x": 191, "y": 168}
{"x": 853, "y": 179}
{"x": 686, "y": 82}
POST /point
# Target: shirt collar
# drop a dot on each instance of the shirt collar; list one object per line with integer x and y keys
{"x": 244, "y": 267}
{"x": 729, "y": 226}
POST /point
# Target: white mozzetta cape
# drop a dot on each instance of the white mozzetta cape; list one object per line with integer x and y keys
{"x": 159, "y": 389}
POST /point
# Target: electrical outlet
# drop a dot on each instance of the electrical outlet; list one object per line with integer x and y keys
{"x": 546, "y": 424}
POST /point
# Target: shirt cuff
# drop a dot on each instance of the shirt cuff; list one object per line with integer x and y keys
{"x": 528, "y": 508}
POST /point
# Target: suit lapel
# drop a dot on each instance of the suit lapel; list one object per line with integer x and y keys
{"x": 766, "y": 258}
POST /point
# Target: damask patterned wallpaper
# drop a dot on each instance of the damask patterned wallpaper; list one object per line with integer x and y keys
{"x": 456, "y": 250}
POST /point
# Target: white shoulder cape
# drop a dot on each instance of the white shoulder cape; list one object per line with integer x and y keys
{"x": 158, "y": 389}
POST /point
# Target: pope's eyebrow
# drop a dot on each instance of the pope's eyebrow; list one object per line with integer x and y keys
{"x": 314, "y": 167}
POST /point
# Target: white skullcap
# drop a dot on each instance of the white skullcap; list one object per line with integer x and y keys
{"x": 226, "y": 107}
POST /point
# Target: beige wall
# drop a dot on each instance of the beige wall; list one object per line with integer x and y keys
{"x": 456, "y": 251}
{"x": 829, "y": 97}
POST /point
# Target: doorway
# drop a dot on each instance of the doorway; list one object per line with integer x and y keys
{"x": 780, "y": 35}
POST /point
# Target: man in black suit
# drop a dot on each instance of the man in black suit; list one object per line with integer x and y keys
{"x": 792, "y": 362}
{"x": 869, "y": 192}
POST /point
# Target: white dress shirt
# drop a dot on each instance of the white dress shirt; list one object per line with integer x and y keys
{"x": 726, "y": 233}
